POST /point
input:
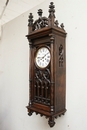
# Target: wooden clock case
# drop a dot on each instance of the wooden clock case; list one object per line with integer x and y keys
{"x": 47, "y": 88}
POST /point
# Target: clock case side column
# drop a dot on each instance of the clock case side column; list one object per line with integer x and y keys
{"x": 30, "y": 29}
{"x": 52, "y": 40}
{"x": 30, "y": 78}
{"x": 52, "y": 72}
{"x": 52, "y": 84}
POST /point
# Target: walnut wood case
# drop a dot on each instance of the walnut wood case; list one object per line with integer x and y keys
{"x": 47, "y": 88}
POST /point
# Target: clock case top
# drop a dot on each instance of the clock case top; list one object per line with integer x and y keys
{"x": 46, "y": 32}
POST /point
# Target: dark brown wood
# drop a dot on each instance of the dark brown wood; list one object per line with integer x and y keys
{"x": 47, "y": 85}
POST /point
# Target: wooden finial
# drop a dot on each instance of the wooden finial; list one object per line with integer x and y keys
{"x": 30, "y": 20}
{"x": 62, "y": 26}
{"x": 51, "y": 10}
{"x": 40, "y": 12}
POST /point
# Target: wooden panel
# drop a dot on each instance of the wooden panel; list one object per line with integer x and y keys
{"x": 60, "y": 78}
{"x": 41, "y": 107}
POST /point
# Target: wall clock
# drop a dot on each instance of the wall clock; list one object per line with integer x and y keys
{"x": 47, "y": 73}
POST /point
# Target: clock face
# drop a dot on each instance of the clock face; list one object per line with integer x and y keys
{"x": 42, "y": 58}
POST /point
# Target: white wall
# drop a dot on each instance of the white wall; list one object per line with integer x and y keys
{"x": 14, "y": 63}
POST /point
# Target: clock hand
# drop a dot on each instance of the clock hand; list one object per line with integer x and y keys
{"x": 39, "y": 57}
{"x": 44, "y": 55}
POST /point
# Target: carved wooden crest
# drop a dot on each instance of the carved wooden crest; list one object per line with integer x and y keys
{"x": 42, "y": 22}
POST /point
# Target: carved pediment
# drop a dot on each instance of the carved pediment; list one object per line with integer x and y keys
{"x": 42, "y": 22}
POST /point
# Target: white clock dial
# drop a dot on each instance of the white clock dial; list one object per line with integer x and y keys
{"x": 42, "y": 58}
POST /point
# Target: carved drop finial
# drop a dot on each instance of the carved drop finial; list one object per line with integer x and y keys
{"x": 40, "y": 12}
{"x": 30, "y": 20}
{"x": 51, "y": 10}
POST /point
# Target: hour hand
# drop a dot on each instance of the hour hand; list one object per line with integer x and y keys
{"x": 39, "y": 57}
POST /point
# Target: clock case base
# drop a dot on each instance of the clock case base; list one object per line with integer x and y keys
{"x": 49, "y": 115}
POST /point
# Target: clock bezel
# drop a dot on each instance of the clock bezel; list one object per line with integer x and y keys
{"x": 36, "y": 54}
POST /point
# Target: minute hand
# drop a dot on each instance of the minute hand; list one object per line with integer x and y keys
{"x": 44, "y": 55}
